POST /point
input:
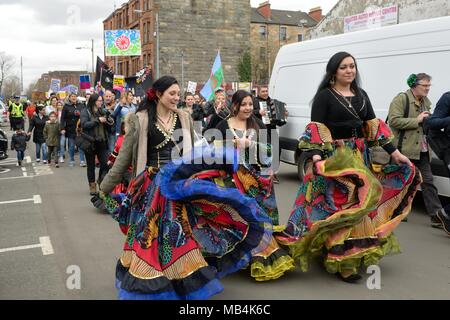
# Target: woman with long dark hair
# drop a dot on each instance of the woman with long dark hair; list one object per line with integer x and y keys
{"x": 347, "y": 206}
{"x": 183, "y": 231}
{"x": 95, "y": 123}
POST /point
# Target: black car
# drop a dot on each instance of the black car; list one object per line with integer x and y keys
{"x": 3, "y": 145}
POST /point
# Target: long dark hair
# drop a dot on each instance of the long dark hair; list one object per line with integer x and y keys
{"x": 91, "y": 103}
{"x": 159, "y": 86}
{"x": 332, "y": 67}
{"x": 236, "y": 102}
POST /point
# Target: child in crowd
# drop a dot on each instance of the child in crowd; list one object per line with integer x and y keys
{"x": 19, "y": 143}
{"x": 51, "y": 136}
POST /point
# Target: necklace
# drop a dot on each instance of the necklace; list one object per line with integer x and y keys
{"x": 349, "y": 108}
{"x": 168, "y": 133}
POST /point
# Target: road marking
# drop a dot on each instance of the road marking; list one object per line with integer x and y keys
{"x": 24, "y": 171}
{"x": 36, "y": 200}
{"x": 13, "y": 178}
{"x": 5, "y": 170}
{"x": 44, "y": 243}
{"x": 28, "y": 159}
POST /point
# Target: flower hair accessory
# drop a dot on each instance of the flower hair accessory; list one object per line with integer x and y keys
{"x": 412, "y": 80}
{"x": 151, "y": 94}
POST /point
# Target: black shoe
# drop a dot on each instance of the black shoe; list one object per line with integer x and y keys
{"x": 405, "y": 220}
{"x": 275, "y": 179}
{"x": 435, "y": 222}
{"x": 445, "y": 219}
{"x": 354, "y": 278}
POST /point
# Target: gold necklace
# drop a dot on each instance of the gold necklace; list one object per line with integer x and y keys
{"x": 349, "y": 108}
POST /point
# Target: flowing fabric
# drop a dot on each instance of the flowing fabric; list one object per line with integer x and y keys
{"x": 345, "y": 210}
{"x": 192, "y": 223}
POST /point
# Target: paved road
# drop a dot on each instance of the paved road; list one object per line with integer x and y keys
{"x": 56, "y": 218}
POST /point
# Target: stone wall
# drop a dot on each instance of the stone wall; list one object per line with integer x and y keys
{"x": 409, "y": 10}
{"x": 200, "y": 28}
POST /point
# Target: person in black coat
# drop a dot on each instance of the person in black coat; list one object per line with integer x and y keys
{"x": 96, "y": 123}
{"x": 37, "y": 124}
{"x": 69, "y": 117}
{"x": 19, "y": 143}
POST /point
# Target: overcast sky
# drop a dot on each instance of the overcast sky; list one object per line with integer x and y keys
{"x": 46, "y": 33}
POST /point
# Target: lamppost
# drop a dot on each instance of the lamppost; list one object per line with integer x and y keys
{"x": 302, "y": 23}
{"x": 92, "y": 51}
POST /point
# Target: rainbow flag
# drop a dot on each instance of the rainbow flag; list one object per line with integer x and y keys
{"x": 215, "y": 79}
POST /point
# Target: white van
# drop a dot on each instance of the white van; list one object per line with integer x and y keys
{"x": 385, "y": 56}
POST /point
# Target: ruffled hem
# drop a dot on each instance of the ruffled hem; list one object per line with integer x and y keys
{"x": 272, "y": 267}
{"x": 200, "y": 285}
{"x": 363, "y": 256}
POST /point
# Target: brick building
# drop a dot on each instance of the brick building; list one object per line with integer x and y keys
{"x": 66, "y": 77}
{"x": 194, "y": 29}
{"x": 271, "y": 29}
{"x": 408, "y": 10}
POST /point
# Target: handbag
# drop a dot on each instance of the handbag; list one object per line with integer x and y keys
{"x": 84, "y": 141}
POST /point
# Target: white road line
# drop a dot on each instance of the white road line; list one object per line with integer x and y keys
{"x": 24, "y": 171}
{"x": 5, "y": 170}
{"x": 28, "y": 159}
{"x": 13, "y": 178}
{"x": 36, "y": 200}
{"x": 44, "y": 243}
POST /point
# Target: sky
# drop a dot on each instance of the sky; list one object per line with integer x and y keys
{"x": 46, "y": 33}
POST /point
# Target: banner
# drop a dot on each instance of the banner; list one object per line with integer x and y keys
{"x": 371, "y": 19}
{"x": 70, "y": 88}
{"x": 141, "y": 82}
{"x": 55, "y": 85}
{"x": 122, "y": 43}
{"x": 85, "y": 82}
{"x": 247, "y": 86}
{"x": 103, "y": 76}
{"x": 119, "y": 82}
{"x": 192, "y": 87}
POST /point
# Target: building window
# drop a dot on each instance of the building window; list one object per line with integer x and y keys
{"x": 263, "y": 32}
{"x": 300, "y": 37}
{"x": 283, "y": 33}
{"x": 145, "y": 40}
{"x": 262, "y": 53}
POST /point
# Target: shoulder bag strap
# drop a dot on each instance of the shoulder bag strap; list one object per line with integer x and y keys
{"x": 402, "y": 132}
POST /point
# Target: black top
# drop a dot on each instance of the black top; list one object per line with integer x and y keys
{"x": 37, "y": 125}
{"x": 69, "y": 118}
{"x": 343, "y": 121}
{"x": 159, "y": 153}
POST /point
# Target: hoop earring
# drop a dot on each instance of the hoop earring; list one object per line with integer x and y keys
{"x": 333, "y": 81}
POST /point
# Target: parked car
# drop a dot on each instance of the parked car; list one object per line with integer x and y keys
{"x": 3, "y": 145}
{"x": 3, "y": 113}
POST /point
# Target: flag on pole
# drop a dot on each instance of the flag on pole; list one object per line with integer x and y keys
{"x": 215, "y": 79}
{"x": 103, "y": 76}
{"x": 85, "y": 82}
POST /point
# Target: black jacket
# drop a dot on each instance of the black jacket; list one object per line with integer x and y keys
{"x": 19, "y": 141}
{"x": 89, "y": 123}
{"x": 69, "y": 118}
{"x": 37, "y": 124}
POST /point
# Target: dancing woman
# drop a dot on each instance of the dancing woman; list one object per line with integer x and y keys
{"x": 347, "y": 207}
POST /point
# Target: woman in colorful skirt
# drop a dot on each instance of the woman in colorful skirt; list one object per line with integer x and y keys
{"x": 183, "y": 231}
{"x": 254, "y": 179}
{"x": 347, "y": 206}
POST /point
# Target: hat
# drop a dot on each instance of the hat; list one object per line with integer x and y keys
{"x": 219, "y": 90}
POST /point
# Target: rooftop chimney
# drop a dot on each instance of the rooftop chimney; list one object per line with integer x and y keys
{"x": 316, "y": 13}
{"x": 264, "y": 9}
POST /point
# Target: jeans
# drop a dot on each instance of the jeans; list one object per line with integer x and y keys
{"x": 39, "y": 147}
{"x": 72, "y": 151}
{"x": 101, "y": 152}
{"x": 429, "y": 190}
{"x": 20, "y": 155}
{"x": 111, "y": 142}
{"x": 62, "y": 145}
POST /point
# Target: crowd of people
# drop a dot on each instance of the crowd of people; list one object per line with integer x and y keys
{"x": 194, "y": 212}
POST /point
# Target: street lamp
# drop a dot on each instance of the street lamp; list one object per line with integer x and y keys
{"x": 92, "y": 51}
{"x": 302, "y": 23}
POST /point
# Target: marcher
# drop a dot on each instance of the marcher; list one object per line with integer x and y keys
{"x": 94, "y": 123}
{"x": 51, "y": 136}
{"x": 110, "y": 105}
{"x": 19, "y": 143}
{"x": 216, "y": 110}
{"x": 69, "y": 117}
{"x": 195, "y": 110}
{"x": 344, "y": 209}
{"x": 37, "y": 124}
{"x": 52, "y": 107}
{"x": 124, "y": 107}
{"x": 176, "y": 257}
{"x": 407, "y": 113}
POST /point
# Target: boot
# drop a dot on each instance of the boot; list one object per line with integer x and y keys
{"x": 93, "y": 188}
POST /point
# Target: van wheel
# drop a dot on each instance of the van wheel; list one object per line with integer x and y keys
{"x": 304, "y": 162}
